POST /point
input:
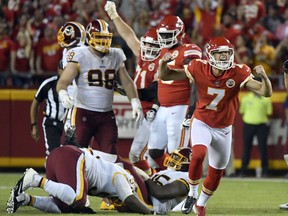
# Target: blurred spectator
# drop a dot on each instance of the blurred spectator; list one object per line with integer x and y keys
{"x": 264, "y": 54}
{"x": 273, "y": 18}
{"x": 281, "y": 31}
{"x": 207, "y": 18}
{"x": 22, "y": 60}
{"x": 6, "y": 45}
{"x": 281, "y": 54}
{"x": 243, "y": 54}
{"x": 231, "y": 29}
{"x": 48, "y": 54}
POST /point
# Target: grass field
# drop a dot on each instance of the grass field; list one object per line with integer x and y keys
{"x": 235, "y": 196}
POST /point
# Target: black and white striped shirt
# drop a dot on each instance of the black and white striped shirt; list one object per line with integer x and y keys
{"x": 47, "y": 91}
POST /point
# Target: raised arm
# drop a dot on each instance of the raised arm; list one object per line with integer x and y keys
{"x": 165, "y": 74}
{"x": 263, "y": 88}
{"x": 123, "y": 29}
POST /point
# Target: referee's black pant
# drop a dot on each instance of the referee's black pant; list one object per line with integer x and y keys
{"x": 261, "y": 131}
{"x": 53, "y": 130}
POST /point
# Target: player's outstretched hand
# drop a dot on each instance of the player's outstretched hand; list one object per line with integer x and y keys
{"x": 137, "y": 112}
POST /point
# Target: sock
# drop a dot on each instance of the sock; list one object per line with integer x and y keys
{"x": 203, "y": 199}
{"x": 45, "y": 204}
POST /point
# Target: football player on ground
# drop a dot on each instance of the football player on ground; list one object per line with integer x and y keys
{"x": 218, "y": 81}
{"x": 94, "y": 69}
{"x": 71, "y": 174}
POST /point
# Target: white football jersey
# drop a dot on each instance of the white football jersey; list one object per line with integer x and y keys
{"x": 164, "y": 177}
{"x": 95, "y": 81}
{"x": 106, "y": 179}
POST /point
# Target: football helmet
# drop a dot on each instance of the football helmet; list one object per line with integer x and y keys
{"x": 170, "y": 31}
{"x": 179, "y": 159}
{"x": 220, "y": 44}
{"x": 150, "y": 47}
{"x": 98, "y": 35}
{"x": 71, "y": 34}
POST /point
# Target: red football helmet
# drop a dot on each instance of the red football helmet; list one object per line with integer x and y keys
{"x": 71, "y": 34}
{"x": 220, "y": 44}
{"x": 150, "y": 47}
{"x": 98, "y": 35}
{"x": 179, "y": 159}
{"x": 170, "y": 31}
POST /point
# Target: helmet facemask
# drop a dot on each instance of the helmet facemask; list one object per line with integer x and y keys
{"x": 167, "y": 38}
{"x": 177, "y": 161}
{"x": 221, "y": 64}
{"x": 150, "y": 49}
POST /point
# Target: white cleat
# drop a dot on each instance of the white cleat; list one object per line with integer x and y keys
{"x": 284, "y": 206}
{"x": 28, "y": 179}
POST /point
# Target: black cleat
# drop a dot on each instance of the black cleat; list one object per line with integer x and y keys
{"x": 188, "y": 205}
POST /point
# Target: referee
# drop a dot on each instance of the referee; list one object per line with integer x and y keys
{"x": 54, "y": 114}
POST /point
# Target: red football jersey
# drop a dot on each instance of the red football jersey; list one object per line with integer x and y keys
{"x": 217, "y": 96}
{"x": 177, "y": 92}
{"x": 146, "y": 72}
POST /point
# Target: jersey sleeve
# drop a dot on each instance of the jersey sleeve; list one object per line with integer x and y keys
{"x": 120, "y": 57}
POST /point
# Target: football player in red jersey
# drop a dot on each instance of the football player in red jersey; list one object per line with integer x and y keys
{"x": 218, "y": 81}
{"x": 145, "y": 79}
{"x": 173, "y": 95}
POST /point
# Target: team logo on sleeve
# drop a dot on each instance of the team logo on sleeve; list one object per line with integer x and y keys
{"x": 230, "y": 83}
{"x": 151, "y": 66}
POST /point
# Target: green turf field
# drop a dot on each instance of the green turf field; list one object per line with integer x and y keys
{"x": 235, "y": 196}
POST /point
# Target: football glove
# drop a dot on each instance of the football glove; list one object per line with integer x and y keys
{"x": 137, "y": 110}
{"x": 67, "y": 102}
{"x": 285, "y": 66}
{"x": 187, "y": 119}
{"x": 110, "y": 8}
{"x": 151, "y": 114}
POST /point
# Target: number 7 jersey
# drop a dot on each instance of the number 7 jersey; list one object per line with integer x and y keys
{"x": 96, "y": 77}
{"x": 217, "y": 96}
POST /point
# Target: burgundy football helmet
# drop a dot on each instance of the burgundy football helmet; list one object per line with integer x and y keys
{"x": 150, "y": 47}
{"x": 219, "y": 44}
{"x": 71, "y": 34}
{"x": 170, "y": 31}
{"x": 98, "y": 35}
{"x": 179, "y": 159}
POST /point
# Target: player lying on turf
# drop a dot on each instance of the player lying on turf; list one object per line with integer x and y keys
{"x": 164, "y": 198}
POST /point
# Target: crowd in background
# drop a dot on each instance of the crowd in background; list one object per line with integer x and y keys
{"x": 29, "y": 52}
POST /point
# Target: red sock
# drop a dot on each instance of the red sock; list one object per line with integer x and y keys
{"x": 160, "y": 161}
{"x": 212, "y": 180}
{"x": 196, "y": 163}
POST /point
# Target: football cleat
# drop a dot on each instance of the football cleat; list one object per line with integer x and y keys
{"x": 284, "y": 206}
{"x": 199, "y": 210}
{"x": 188, "y": 205}
{"x": 106, "y": 205}
{"x": 14, "y": 202}
{"x": 27, "y": 181}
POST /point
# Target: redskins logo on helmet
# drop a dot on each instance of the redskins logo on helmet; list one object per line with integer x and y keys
{"x": 150, "y": 47}
{"x": 170, "y": 31}
{"x": 98, "y": 35}
{"x": 179, "y": 159}
{"x": 220, "y": 44}
{"x": 71, "y": 34}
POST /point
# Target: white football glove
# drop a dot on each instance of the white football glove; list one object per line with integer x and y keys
{"x": 137, "y": 110}
{"x": 67, "y": 102}
{"x": 151, "y": 114}
{"x": 110, "y": 8}
{"x": 187, "y": 119}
